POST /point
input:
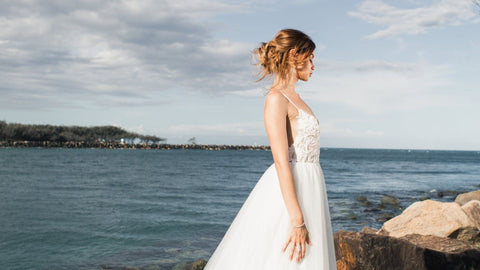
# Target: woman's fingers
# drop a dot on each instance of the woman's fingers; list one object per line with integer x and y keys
{"x": 298, "y": 249}
{"x": 286, "y": 244}
{"x": 294, "y": 246}
{"x": 299, "y": 252}
{"x": 299, "y": 240}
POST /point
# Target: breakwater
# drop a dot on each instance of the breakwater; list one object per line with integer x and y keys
{"x": 119, "y": 145}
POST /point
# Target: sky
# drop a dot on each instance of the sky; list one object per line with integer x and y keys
{"x": 389, "y": 74}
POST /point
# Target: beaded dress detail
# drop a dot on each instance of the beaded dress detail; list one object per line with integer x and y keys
{"x": 256, "y": 236}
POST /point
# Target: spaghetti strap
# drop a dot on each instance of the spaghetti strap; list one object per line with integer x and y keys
{"x": 289, "y": 100}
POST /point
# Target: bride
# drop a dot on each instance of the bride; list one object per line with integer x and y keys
{"x": 285, "y": 221}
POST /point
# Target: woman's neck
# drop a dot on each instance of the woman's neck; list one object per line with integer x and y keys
{"x": 287, "y": 86}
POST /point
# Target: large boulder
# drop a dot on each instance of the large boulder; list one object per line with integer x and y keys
{"x": 472, "y": 210}
{"x": 365, "y": 251}
{"x": 466, "y": 197}
{"x": 428, "y": 218}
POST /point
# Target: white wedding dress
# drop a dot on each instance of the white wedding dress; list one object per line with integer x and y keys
{"x": 255, "y": 238}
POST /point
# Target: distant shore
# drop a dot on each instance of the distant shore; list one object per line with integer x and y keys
{"x": 118, "y": 145}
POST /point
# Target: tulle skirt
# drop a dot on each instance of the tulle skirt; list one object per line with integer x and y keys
{"x": 261, "y": 227}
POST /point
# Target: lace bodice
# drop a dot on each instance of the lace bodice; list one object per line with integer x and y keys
{"x": 306, "y": 145}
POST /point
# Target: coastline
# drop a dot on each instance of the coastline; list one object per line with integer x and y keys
{"x": 166, "y": 146}
{"x": 119, "y": 145}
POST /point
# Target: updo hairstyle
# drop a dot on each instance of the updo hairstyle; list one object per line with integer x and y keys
{"x": 289, "y": 48}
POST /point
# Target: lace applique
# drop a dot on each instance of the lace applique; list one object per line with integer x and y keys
{"x": 306, "y": 146}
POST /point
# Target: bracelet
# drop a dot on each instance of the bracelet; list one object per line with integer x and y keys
{"x": 299, "y": 226}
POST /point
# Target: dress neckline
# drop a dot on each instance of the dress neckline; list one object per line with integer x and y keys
{"x": 300, "y": 111}
{"x": 305, "y": 112}
{"x": 295, "y": 105}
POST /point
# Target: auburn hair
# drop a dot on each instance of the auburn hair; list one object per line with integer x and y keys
{"x": 289, "y": 48}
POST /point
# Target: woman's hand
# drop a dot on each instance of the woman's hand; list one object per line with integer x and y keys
{"x": 298, "y": 238}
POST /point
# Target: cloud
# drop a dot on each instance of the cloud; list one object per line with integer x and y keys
{"x": 253, "y": 93}
{"x": 331, "y": 128}
{"x": 414, "y": 21}
{"x": 76, "y": 52}
{"x": 375, "y": 87}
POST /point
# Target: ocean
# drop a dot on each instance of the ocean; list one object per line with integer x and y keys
{"x": 157, "y": 209}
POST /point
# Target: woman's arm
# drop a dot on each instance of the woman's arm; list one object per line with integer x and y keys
{"x": 276, "y": 108}
{"x": 275, "y": 115}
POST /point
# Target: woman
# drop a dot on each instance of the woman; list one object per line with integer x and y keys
{"x": 285, "y": 221}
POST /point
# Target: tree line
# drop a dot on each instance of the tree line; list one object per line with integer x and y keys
{"x": 22, "y": 132}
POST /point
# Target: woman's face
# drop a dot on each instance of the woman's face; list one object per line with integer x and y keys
{"x": 305, "y": 69}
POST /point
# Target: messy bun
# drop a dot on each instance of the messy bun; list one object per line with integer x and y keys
{"x": 287, "y": 49}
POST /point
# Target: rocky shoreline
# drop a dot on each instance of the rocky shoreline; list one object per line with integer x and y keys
{"x": 119, "y": 145}
{"x": 427, "y": 235}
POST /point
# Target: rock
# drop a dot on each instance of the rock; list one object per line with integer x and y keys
{"x": 470, "y": 235}
{"x": 371, "y": 210}
{"x": 390, "y": 200}
{"x": 442, "y": 244}
{"x": 385, "y": 216}
{"x": 451, "y": 192}
{"x": 472, "y": 210}
{"x": 428, "y": 218}
{"x": 466, "y": 197}
{"x": 363, "y": 201}
{"x": 198, "y": 264}
{"x": 369, "y": 230}
{"x": 350, "y": 216}
{"x": 355, "y": 251}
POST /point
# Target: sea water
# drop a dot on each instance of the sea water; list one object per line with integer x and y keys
{"x": 156, "y": 209}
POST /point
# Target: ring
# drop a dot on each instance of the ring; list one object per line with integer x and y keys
{"x": 298, "y": 247}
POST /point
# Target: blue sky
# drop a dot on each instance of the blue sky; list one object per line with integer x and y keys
{"x": 389, "y": 74}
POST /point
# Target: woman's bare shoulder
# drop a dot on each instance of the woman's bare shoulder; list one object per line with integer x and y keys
{"x": 276, "y": 104}
{"x": 275, "y": 98}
